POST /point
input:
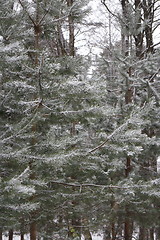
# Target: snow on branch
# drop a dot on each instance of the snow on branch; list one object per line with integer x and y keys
{"x": 80, "y": 186}
{"x": 117, "y": 130}
{"x": 155, "y": 93}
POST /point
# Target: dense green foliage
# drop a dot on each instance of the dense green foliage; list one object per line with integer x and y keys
{"x": 78, "y": 152}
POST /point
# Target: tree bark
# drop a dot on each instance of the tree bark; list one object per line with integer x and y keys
{"x": 151, "y": 232}
{"x": 142, "y": 233}
{"x": 128, "y": 166}
{"x": 61, "y": 44}
{"x": 33, "y": 231}
{"x": 128, "y": 226}
{"x": 125, "y": 29}
{"x": 86, "y": 233}
{"x": 71, "y": 30}
{"x": 22, "y": 236}
{"x": 106, "y": 233}
{"x": 10, "y": 236}
{"x": 139, "y": 33}
{"x": 1, "y": 233}
{"x": 148, "y": 8}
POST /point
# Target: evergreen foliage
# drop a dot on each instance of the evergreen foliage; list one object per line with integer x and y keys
{"x": 78, "y": 153}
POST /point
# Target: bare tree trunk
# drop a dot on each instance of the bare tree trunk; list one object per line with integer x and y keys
{"x": 61, "y": 45}
{"x": 158, "y": 233}
{"x": 37, "y": 32}
{"x": 1, "y": 233}
{"x": 33, "y": 231}
{"x": 139, "y": 33}
{"x": 106, "y": 233}
{"x": 22, "y": 236}
{"x": 10, "y": 236}
{"x": 71, "y": 30}
{"x": 151, "y": 233}
{"x": 113, "y": 231}
{"x": 148, "y": 8}
{"x": 128, "y": 227}
{"x": 142, "y": 233}
{"x": 128, "y": 166}
{"x": 86, "y": 232}
{"x": 125, "y": 29}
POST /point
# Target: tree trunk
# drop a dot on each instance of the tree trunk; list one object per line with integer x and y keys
{"x": 113, "y": 232}
{"x": 142, "y": 233}
{"x": 33, "y": 231}
{"x": 128, "y": 166}
{"x": 71, "y": 30}
{"x": 148, "y": 18}
{"x": 125, "y": 29}
{"x": 1, "y": 233}
{"x": 87, "y": 235}
{"x": 158, "y": 233}
{"x": 10, "y": 236}
{"x": 61, "y": 45}
{"x": 139, "y": 33}
{"x": 106, "y": 234}
{"x": 37, "y": 32}
{"x": 74, "y": 228}
{"x": 151, "y": 233}
{"x": 128, "y": 226}
{"x": 22, "y": 236}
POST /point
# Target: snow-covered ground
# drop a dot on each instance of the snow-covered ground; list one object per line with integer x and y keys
{"x": 26, "y": 237}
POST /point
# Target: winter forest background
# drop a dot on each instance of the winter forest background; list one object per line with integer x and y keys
{"x": 79, "y": 119}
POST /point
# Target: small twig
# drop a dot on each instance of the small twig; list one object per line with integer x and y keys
{"x": 154, "y": 75}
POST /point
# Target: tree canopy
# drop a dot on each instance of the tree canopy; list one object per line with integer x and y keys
{"x": 79, "y": 134}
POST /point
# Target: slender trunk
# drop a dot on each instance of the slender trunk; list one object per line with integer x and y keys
{"x": 71, "y": 30}
{"x": 128, "y": 166}
{"x": 158, "y": 233}
{"x": 106, "y": 233}
{"x": 125, "y": 29}
{"x": 10, "y": 236}
{"x": 33, "y": 231}
{"x": 139, "y": 33}
{"x": 74, "y": 228}
{"x": 1, "y": 233}
{"x": 87, "y": 235}
{"x": 22, "y": 236}
{"x": 148, "y": 8}
{"x": 73, "y": 129}
{"x": 37, "y": 32}
{"x": 151, "y": 234}
{"x": 61, "y": 46}
{"x": 128, "y": 226}
{"x": 113, "y": 231}
{"x": 126, "y": 229}
{"x": 142, "y": 233}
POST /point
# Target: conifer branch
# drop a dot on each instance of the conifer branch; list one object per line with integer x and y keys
{"x": 88, "y": 185}
{"x": 117, "y": 130}
{"x": 114, "y": 15}
{"x": 80, "y": 186}
{"x": 20, "y": 2}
